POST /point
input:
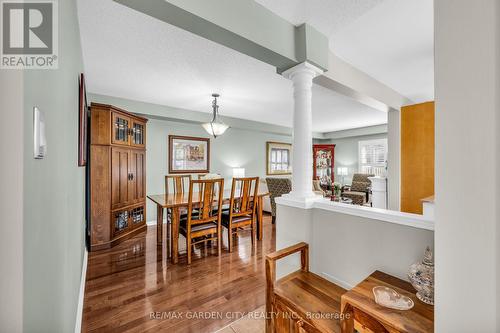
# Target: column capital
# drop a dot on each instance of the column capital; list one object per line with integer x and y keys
{"x": 303, "y": 67}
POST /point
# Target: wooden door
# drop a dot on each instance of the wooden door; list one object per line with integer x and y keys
{"x": 120, "y": 175}
{"x": 137, "y": 133}
{"x": 120, "y": 129}
{"x": 137, "y": 170}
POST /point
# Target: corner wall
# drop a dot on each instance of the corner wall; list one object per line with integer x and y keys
{"x": 54, "y": 203}
{"x": 467, "y": 60}
{"x": 11, "y": 201}
{"x": 394, "y": 159}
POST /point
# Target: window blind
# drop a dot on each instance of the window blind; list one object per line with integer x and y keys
{"x": 373, "y": 157}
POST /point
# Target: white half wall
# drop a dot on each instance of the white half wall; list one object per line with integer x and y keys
{"x": 348, "y": 248}
{"x": 347, "y": 243}
{"x": 467, "y": 59}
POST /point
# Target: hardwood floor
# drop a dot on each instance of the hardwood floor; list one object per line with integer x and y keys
{"x": 132, "y": 288}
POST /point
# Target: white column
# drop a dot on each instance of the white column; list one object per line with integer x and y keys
{"x": 302, "y": 77}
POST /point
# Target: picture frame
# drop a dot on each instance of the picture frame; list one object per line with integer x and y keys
{"x": 82, "y": 121}
{"x": 278, "y": 158}
{"x": 188, "y": 154}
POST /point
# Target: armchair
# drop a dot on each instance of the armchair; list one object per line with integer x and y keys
{"x": 277, "y": 187}
{"x": 359, "y": 190}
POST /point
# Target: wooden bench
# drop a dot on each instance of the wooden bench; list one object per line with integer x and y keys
{"x": 301, "y": 301}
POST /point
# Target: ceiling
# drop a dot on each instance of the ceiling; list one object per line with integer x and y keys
{"x": 390, "y": 40}
{"x": 131, "y": 55}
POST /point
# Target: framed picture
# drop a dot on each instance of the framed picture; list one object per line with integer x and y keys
{"x": 188, "y": 154}
{"x": 278, "y": 158}
{"x": 82, "y": 122}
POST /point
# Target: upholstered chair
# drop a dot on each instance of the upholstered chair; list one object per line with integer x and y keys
{"x": 277, "y": 187}
{"x": 317, "y": 187}
{"x": 359, "y": 190}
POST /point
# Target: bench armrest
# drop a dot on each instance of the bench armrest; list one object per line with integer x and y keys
{"x": 302, "y": 247}
{"x": 271, "y": 258}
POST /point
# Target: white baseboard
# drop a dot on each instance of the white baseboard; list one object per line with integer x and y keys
{"x": 79, "y": 309}
{"x": 153, "y": 222}
{"x": 337, "y": 281}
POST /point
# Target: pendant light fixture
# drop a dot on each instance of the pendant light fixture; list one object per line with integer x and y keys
{"x": 216, "y": 127}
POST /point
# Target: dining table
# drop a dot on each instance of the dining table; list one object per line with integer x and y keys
{"x": 179, "y": 201}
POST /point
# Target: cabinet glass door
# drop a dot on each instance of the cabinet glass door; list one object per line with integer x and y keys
{"x": 323, "y": 163}
{"x": 138, "y": 133}
{"x": 121, "y": 127}
{"x": 120, "y": 221}
{"x": 137, "y": 215}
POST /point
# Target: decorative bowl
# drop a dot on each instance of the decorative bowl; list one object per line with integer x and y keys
{"x": 390, "y": 298}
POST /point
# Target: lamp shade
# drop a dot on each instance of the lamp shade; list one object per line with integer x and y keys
{"x": 215, "y": 129}
{"x": 238, "y": 172}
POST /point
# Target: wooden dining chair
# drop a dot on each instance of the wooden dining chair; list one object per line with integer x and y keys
{"x": 242, "y": 208}
{"x": 203, "y": 222}
{"x": 177, "y": 184}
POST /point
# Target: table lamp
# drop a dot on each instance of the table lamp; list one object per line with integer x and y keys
{"x": 342, "y": 171}
{"x": 238, "y": 172}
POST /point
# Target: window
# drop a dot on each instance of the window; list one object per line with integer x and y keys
{"x": 373, "y": 157}
{"x": 280, "y": 160}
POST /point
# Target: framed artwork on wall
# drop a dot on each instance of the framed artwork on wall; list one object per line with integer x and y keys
{"x": 278, "y": 158}
{"x": 82, "y": 121}
{"x": 187, "y": 154}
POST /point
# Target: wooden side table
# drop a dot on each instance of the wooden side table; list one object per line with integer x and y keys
{"x": 358, "y": 304}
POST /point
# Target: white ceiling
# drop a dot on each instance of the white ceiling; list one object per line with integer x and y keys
{"x": 391, "y": 40}
{"x": 131, "y": 55}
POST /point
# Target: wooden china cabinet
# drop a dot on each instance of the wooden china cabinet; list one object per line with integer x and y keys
{"x": 323, "y": 159}
{"x": 117, "y": 175}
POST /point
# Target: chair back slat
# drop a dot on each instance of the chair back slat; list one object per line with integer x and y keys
{"x": 208, "y": 200}
{"x": 176, "y": 184}
{"x": 244, "y": 195}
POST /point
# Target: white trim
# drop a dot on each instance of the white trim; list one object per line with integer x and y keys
{"x": 292, "y": 201}
{"x": 79, "y": 309}
{"x": 391, "y": 216}
{"x": 153, "y": 222}
{"x": 336, "y": 281}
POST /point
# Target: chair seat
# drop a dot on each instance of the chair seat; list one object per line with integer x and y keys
{"x": 354, "y": 193}
{"x": 358, "y": 198}
{"x": 196, "y": 227}
{"x": 236, "y": 220}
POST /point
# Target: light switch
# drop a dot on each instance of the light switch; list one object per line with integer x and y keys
{"x": 40, "y": 144}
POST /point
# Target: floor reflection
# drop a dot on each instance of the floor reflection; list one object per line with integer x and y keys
{"x": 128, "y": 284}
